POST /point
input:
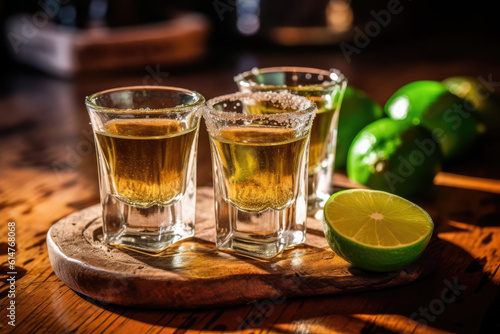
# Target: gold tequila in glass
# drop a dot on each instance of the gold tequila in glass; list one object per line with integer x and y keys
{"x": 259, "y": 144}
{"x": 146, "y": 140}
{"x": 326, "y": 88}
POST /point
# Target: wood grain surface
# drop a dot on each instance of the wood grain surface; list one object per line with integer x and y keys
{"x": 193, "y": 274}
{"x": 48, "y": 171}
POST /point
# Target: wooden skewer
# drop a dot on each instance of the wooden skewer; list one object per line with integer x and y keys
{"x": 441, "y": 179}
{"x": 467, "y": 182}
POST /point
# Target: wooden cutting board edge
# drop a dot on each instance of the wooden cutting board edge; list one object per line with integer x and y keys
{"x": 82, "y": 270}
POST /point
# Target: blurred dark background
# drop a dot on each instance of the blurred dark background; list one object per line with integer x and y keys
{"x": 379, "y": 45}
{"x": 426, "y": 29}
{"x": 417, "y": 19}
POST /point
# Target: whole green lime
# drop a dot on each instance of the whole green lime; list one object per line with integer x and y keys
{"x": 481, "y": 96}
{"x": 451, "y": 119}
{"x": 394, "y": 156}
{"x": 356, "y": 112}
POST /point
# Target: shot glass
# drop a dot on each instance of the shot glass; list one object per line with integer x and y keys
{"x": 146, "y": 140}
{"x": 326, "y": 88}
{"x": 259, "y": 144}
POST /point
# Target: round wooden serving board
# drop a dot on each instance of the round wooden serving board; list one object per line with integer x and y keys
{"x": 194, "y": 274}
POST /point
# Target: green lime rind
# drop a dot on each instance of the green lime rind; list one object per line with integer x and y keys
{"x": 411, "y": 100}
{"x": 452, "y": 120}
{"x": 356, "y": 112}
{"x": 484, "y": 99}
{"x": 455, "y": 128}
{"x": 378, "y": 259}
{"x": 394, "y": 156}
{"x": 374, "y": 259}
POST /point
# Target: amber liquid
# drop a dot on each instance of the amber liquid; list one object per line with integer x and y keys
{"x": 147, "y": 159}
{"x": 261, "y": 166}
{"x": 320, "y": 131}
{"x": 321, "y": 127}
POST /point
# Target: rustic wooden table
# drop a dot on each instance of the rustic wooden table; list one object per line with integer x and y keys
{"x": 48, "y": 170}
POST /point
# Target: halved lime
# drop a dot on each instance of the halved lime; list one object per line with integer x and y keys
{"x": 375, "y": 230}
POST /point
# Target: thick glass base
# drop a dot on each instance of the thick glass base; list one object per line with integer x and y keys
{"x": 263, "y": 234}
{"x": 320, "y": 186}
{"x": 316, "y": 202}
{"x": 150, "y": 229}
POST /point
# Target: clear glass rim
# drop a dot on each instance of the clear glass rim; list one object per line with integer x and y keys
{"x": 306, "y": 108}
{"x": 336, "y": 77}
{"x": 90, "y": 100}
